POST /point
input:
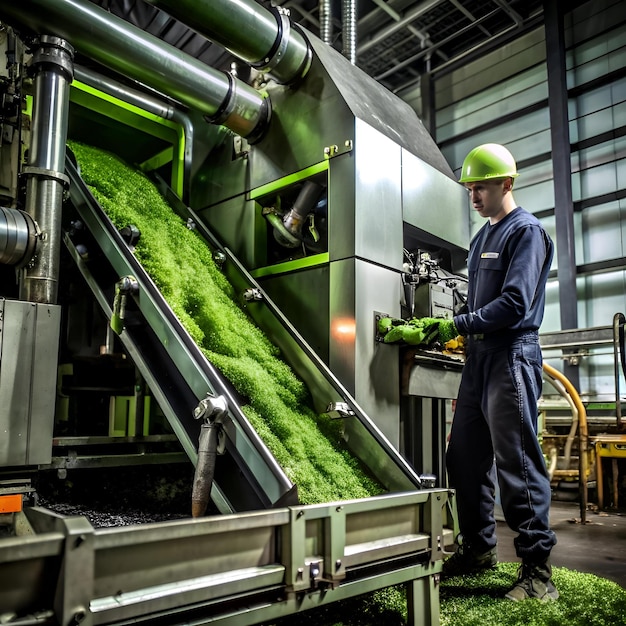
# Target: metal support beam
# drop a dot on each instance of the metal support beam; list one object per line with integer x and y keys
{"x": 561, "y": 164}
{"x": 409, "y": 16}
{"x": 429, "y": 108}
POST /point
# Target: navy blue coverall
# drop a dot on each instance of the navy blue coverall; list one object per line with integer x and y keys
{"x": 496, "y": 410}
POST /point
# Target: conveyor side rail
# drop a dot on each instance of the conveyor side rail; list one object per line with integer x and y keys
{"x": 233, "y": 569}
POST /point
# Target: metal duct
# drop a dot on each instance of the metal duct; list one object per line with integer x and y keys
{"x": 261, "y": 37}
{"x": 147, "y": 103}
{"x": 128, "y": 50}
{"x": 17, "y": 237}
{"x": 45, "y": 177}
{"x": 326, "y": 22}
{"x": 349, "y": 30}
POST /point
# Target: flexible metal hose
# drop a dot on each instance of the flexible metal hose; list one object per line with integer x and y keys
{"x": 326, "y": 22}
{"x": 349, "y": 30}
{"x": 583, "y": 435}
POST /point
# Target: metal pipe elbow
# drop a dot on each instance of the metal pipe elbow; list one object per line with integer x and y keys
{"x": 18, "y": 237}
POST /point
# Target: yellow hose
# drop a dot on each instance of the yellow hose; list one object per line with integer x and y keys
{"x": 583, "y": 435}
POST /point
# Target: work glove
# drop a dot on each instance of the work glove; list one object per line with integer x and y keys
{"x": 416, "y": 331}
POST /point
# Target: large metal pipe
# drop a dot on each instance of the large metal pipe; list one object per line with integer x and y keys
{"x": 45, "y": 177}
{"x": 262, "y": 38}
{"x": 147, "y": 103}
{"x": 128, "y": 50}
{"x": 18, "y": 237}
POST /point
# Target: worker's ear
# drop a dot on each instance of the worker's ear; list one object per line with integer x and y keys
{"x": 508, "y": 184}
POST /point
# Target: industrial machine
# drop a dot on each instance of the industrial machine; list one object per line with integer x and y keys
{"x": 327, "y": 204}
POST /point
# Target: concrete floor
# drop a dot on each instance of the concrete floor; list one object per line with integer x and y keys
{"x": 597, "y": 547}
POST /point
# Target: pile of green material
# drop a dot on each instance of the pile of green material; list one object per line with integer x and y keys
{"x": 585, "y": 600}
{"x": 417, "y": 331}
{"x": 309, "y": 447}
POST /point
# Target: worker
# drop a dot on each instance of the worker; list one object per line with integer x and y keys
{"x": 496, "y": 410}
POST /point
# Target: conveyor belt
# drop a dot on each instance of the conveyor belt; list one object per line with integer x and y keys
{"x": 234, "y": 569}
{"x": 180, "y": 376}
{"x": 175, "y": 369}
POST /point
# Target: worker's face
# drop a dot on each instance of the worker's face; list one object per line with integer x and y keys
{"x": 487, "y": 197}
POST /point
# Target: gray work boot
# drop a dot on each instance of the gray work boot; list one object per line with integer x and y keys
{"x": 534, "y": 581}
{"x": 466, "y": 561}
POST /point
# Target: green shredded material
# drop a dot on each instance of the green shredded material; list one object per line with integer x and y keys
{"x": 585, "y": 600}
{"x": 277, "y": 401}
{"x": 417, "y": 331}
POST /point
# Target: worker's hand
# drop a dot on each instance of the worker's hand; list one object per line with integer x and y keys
{"x": 416, "y": 331}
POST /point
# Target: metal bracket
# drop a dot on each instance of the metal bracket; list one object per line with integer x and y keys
{"x": 252, "y": 294}
{"x": 378, "y": 337}
{"x": 334, "y": 150}
{"x": 211, "y": 408}
{"x": 127, "y": 285}
{"x": 337, "y": 410}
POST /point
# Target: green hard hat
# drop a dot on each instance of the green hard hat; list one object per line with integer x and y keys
{"x": 491, "y": 160}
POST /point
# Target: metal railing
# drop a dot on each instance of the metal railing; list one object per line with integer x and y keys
{"x": 233, "y": 569}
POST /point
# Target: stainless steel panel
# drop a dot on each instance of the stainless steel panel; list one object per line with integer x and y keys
{"x": 303, "y": 298}
{"x": 342, "y": 207}
{"x": 377, "y": 107}
{"x": 304, "y": 122}
{"x": 370, "y": 370}
{"x": 434, "y": 203}
{"x": 234, "y": 222}
{"x": 433, "y": 382}
{"x": 321, "y": 113}
{"x": 29, "y": 340}
{"x": 378, "y": 211}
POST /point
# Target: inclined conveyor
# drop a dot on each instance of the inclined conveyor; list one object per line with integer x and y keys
{"x": 180, "y": 375}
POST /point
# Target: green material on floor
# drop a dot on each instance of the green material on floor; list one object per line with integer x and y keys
{"x": 275, "y": 401}
{"x": 586, "y": 600}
